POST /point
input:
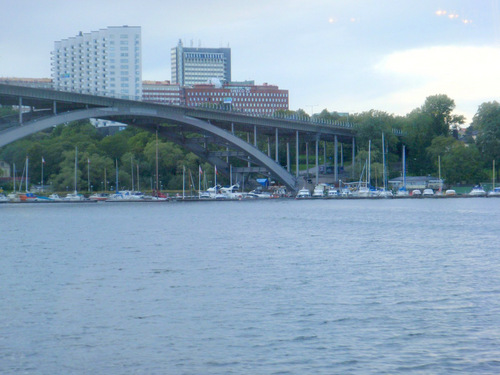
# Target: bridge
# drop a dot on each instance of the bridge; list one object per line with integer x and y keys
{"x": 193, "y": 128}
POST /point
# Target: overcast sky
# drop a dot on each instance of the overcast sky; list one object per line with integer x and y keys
{"x": 342, "y": 55}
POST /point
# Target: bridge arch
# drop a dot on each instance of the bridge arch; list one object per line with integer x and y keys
{"x": 151, "y": 119}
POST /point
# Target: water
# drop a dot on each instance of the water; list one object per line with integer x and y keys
{"x": 260, "y": 287}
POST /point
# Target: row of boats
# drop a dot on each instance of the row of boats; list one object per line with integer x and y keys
{"x": 321, "y": 191}
{"x": 325, "y": 191}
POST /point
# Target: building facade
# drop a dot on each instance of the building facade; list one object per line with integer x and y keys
{"x": 106, "y": 62}
{"x": 239, "y": 96}
{"x": 41, "y": 83}
{"x": 162, "y": 92}
{"x": 191, "y": 66}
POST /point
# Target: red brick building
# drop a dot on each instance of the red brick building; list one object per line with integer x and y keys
{"x": 240, "y": 96}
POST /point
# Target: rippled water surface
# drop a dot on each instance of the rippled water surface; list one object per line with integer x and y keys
{"x": 260, "y": 287}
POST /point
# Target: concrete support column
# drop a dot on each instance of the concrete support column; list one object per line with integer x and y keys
{"x": 276, "y": 158}
{"x": 20, "y": 111}
{"x": 324, "y": 157}
{"x": 307, "y": 160}
{"x": 317, "y": 161}
{"x": 342, "y": 155}
{"x": 297, "y": 154}
{"x": 232, "y": 128}
{"x": 268, "y": 147}
{"x": 255, "y": 135}
{"x": 55, "y": 108}
{"x": 288, "y": 156}
{"x": 336, "y": 164}
{"x": 353, "y": 156}
{"x": 248, "y": 141}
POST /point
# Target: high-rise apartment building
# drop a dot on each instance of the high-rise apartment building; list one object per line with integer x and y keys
{"x": 106, "y": 62}
{"x": 191, "y": 66}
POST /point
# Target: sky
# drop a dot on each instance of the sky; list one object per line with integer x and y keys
{"x": 340, "y": 55}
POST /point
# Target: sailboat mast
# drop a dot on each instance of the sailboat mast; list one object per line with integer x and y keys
{"x": 116, "y": 162}
{"x": 14, "y": 178}
{"x": 199, "y": 181}
{"x": 493, "y": 185}
{"x": 138, "y": 180}
{"x": 132, "y": 172}
{"x": 156, "y": 161}
{"x": 76, "y": 165}
{"x": 439, "y": 168}
{"x": 368, "y": 176}
{"x": 404, "y": 166}
{"x": 383, "y": 160}
{"x": 183, "y": 181}
{"x": 27, "y": 180}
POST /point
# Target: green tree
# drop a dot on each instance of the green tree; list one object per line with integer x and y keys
{"x": 440, "y": 108}
{"x": 462, "y": 164}
{"x": 487, "y": 124}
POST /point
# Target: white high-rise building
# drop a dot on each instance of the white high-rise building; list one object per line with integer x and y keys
{"x": 107, "y": 62}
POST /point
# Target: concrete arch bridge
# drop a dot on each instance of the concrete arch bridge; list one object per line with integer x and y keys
{"x": 195, "y": 129}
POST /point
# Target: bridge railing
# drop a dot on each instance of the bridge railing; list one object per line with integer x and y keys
{"x": 277, "y": 115}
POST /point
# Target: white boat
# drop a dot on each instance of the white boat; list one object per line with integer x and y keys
{"x": 303, "y": 194}
{"x": 259, "y": 194}
{"x": 495, "y": 192}
{"x": 231, "y": 192}
{"x": 416, "y": 193}
{"x": 205, "y": 195}
{"x": 450, "y": 193}
{"x": 333, "y": 193}
{"x": 385, "y": 194}
{"x": 402, "y": 192}
{"x": 3, "y": 198}
{"x": 55, "y": 197}
{"x": 13, "y": 197}
{"x": 319, "y": 191}
{"x": 74, "y": 197}
{"x": 428, "y": 193}
{"x": 477, "y": 191}
{"x": 126, "y": 195}
{"x": 99, "y": 197}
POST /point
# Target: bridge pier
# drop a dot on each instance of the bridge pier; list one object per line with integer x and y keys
{"x": 297, "y": 154}
{"x": 20, "y": 110}
{"x": 307, "y": 160}
{"x": 276, "y": 158}
{"x": 288, "y": 157}
{"x": 336, "y": 175}
{"x": 317, "y": 159}
{"x": 248, "y": 141}
{"x": 324, "y": 157}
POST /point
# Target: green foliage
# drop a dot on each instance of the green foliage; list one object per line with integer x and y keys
{"x": 487, "y": 124}
{"x": 439, "y": 108}
{"x": 427, "y": 136}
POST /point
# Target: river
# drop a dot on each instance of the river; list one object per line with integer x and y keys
{"x": 251, "y": 287}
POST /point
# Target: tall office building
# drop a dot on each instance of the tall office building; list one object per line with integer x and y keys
{"x": 107, "y": 62}
{"x": 191, "y": 66}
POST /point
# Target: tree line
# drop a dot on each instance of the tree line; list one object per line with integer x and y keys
{"x": 430, "y": 132}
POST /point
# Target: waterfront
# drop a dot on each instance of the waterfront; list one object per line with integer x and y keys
{"x": 274, "y": 286}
